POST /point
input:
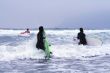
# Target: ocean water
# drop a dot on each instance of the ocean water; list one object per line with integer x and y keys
{"x": 19, "y": 55}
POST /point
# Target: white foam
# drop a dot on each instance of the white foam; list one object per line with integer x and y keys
{"x": 80, "y": 51}
{"x": 24, "y": 50}
{"x": 69, "y": 50}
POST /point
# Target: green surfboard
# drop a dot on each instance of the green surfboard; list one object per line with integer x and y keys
{"x": 47, "y": 49}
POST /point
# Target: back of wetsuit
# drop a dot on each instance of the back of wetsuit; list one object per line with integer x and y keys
{"x": 40, "y": 41}
{"x": 81, "y": 36}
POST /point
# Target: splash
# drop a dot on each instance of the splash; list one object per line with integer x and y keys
{"x": 61, "y": 42}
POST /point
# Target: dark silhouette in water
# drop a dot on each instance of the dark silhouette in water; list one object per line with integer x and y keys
{"x": 82, "y": 37}
{"x": 40, "y": 38}
{"x": 27, "y": 31}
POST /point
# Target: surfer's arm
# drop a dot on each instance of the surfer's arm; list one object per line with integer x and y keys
{"x": 43, "y": 37}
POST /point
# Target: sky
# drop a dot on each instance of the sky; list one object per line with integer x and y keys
{"x": 89, "y": 14}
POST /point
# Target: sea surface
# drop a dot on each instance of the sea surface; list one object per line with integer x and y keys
{"x": 18, "y": 53}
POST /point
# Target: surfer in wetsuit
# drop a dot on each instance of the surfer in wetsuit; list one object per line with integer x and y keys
{"x": 82, "y": 37}
{"x": 27, "y": 31}
{"x": 40, "y": 38}
{"x": 42, "y": 42}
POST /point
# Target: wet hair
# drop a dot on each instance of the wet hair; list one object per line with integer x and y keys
{"x": 81, "y": 29}
{"x": 27, "y": 28}
{"x": 41, "y": 28}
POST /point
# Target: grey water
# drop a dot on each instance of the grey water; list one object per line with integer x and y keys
{"x": 56, "y": 65}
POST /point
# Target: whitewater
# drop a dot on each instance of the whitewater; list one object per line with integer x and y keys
{"x": 18, "y": 53}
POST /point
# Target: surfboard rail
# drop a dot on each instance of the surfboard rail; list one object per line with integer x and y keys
{"x": 47, "y": 49}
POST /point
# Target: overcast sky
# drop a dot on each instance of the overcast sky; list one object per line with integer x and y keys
{"x": 94, "y": 14}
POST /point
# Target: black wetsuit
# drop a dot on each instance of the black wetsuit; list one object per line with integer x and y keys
{"x": 40, "y": 41}
{"x": 82, "y": 40}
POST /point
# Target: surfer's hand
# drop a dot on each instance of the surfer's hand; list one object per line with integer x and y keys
{"x": 50, "y": 52}
{"x": 74, "y": 39}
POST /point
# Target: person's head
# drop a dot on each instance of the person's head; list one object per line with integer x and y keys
{"x": 27, "y": 29}
{"x": 41, "y": 29}
{"x": 81, "y": 29}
